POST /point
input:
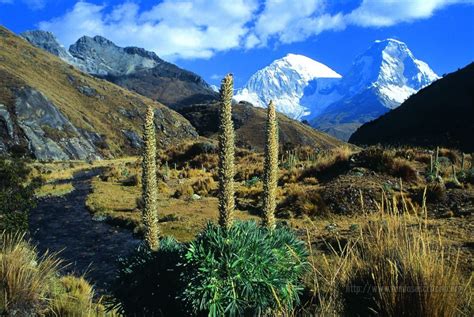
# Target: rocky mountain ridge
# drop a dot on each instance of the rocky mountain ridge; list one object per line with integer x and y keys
{"x": 145, "y": 73}
{"x": 133, "y": 68}
{"x": 51, "y": 111}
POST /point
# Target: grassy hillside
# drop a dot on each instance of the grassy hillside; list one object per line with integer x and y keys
{"x": 440, "y": 114}
{"x": 249, "y": 123}
{"x": 91, "y": 104}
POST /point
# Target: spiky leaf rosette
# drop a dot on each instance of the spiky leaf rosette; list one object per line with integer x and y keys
{"x": 271, "y": 168}
{"x": 244, "y": 271}
{"x": 226, "y": 154}
{"x": 149, "y": 185}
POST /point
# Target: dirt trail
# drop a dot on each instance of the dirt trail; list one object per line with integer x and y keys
{"x": 88, "y": 247}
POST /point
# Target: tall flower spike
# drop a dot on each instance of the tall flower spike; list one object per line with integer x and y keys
{"x": 149, "y": 185}
{"x": 271, "y": 168}
{"x": 226, "y": 154}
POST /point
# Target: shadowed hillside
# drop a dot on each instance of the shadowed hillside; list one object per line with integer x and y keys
{"x": 441, "y": 114}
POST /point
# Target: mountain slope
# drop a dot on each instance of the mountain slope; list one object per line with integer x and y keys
{"x": 53, "y": 111}
{"x": 249, "y": 122}
{"x": 379, "y": 80}
{"x": 440, "y": 114}
{"x": 284, "y": 82}
{"x": 131, "y": 67}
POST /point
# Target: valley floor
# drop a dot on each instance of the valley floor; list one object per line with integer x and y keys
{"x": 326, "y": 202}
{"x": 64, "y": 225}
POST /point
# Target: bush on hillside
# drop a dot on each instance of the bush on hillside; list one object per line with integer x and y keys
{"x": 16, "y": 194}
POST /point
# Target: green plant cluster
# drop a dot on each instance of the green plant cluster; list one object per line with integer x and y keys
{"x": 148, "y": 282}
{"x": 248, "y": 270}
{"x": 245, "y": 270}
{"x": 16, "y": 195}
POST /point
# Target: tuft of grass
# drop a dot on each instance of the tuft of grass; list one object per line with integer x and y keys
{"x": 24, "y": 276}
{"x": 329, "y": 162}
{"x": 30, "y": 285}
{"x": 302, "y": 201}
{"x": 204, "y": 186}
{"x": 54, "y": 190}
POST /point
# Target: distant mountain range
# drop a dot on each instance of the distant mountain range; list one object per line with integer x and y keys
{"x": 380, "y": 79}
{"x": 69, "y": 107}
{"x": 441, "y": 114}
{"x": 130, "y": 67}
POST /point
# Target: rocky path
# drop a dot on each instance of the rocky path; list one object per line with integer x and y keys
{"x": 63, "y": 224}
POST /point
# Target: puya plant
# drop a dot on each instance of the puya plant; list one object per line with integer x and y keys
{"x": 149, "y": 184}
{"x": 226, "y": 154}
{"x": 270, "y": 168}
{"x": 242, "y": 268}
{"x": 434, "y": 166}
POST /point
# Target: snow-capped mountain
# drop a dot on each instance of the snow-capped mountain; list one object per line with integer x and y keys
{"x": 284, "y": 81}
{"x": 380, "y": 79}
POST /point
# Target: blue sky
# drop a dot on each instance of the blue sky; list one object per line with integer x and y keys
{"x": 213, "y": 37}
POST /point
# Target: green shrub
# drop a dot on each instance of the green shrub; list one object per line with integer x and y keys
{"x": 244, "y": 270}
{"x": 16, "y": 195}
{"x": 148, "y": 282}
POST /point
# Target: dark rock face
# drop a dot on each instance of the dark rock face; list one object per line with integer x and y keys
{"x": 7, "y": 134}
{"x": 50, "y": 135}
{"x": 88, "y": 91}
{"x": 135, "y": 141}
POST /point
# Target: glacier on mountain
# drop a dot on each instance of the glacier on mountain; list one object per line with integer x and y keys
{"x": 284, "y": 81}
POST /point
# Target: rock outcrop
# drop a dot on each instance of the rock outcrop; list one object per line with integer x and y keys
{"x": 51, "y": 136}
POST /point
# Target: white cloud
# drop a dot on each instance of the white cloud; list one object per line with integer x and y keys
{"x": 184, "y": 29}
{"x": 391, "y": 12}
{"x": 173, "y": 29}
{"x": 32, "y": 4}
{"x": 35, "y": 4}
{"x": 291, "y": 21}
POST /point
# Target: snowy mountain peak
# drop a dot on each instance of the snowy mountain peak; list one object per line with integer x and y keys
{"x": 389, "y": 66}
{"x": 307, "y": 68}
{"x": 380, "y": 79}
{"x": 284, "y": 82}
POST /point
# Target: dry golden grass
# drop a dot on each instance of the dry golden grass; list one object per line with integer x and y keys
{"x": 297, "y": 201}
{"x": 30, "y": 285}
{"x": 393, "y": 264}
{"x": 24, "y": 277}
{"x": 326, "y": 162}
